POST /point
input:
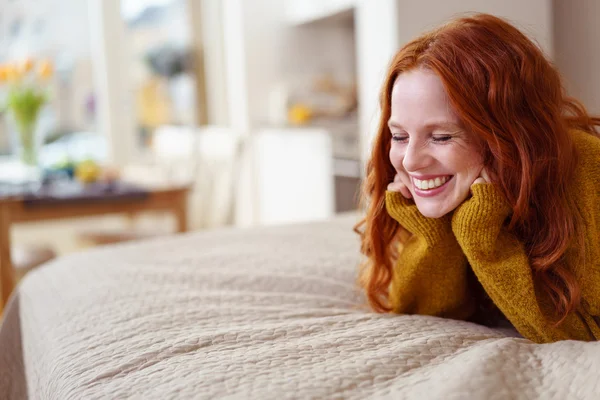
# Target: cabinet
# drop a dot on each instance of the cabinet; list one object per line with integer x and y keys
{"x": 293, "y": 175}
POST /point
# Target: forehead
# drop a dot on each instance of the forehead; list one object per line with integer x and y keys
{"x": 419, "y": 95}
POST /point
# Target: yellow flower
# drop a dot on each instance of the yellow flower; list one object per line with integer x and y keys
{"x": 45, "y": 69}
{"x": 3, "y": 75}
{"x": 300, "y": 114}
{"x": 26, "y": 65}
{"x": 12, "y": 73}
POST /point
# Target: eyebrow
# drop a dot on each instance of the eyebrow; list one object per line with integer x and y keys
{"x": 445, "y": 125}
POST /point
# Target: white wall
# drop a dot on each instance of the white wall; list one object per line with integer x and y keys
{"x": 315, "y": 49}
{"x": 577, "y": 49}
{"x": 264, "y": 27}
{"x": 252, "y": 38}
{"x": 377, "y": 38}
{"x": 236, "y": 83}
{"x": 534, "y": 17}
{"x": 300, "y": 12}
{"x": 112, "y": 83}
{"x": 214, "y": 61}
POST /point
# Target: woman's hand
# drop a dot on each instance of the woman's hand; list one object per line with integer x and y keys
{"x": 487, "y": 208}
{"x": 398, "y": 186}
{"x": 482, "y": 178}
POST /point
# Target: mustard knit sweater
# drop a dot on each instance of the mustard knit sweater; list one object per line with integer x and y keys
{"x": 431, "y": 276}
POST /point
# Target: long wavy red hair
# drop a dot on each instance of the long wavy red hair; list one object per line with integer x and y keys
{"x": 508, "y": 94}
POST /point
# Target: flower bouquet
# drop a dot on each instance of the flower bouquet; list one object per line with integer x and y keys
{"x": 26, "y": 85}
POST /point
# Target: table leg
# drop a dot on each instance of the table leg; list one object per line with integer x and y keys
{"x": 181, "y": 214}
{"x": 7, "y": 274}
{"x": 131, "y": 217}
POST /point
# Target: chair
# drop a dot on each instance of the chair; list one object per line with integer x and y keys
{"x": 204, "y": 157}
{"x": 208, "y": 158}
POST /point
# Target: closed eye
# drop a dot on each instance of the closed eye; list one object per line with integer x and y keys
{"x": 442, "y": 138}
{"x": 399, "y": 138}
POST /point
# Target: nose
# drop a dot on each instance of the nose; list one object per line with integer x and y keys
{"x": 415, "y": 156}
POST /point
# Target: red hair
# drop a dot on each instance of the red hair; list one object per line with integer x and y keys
{"x": 508, "y": 94}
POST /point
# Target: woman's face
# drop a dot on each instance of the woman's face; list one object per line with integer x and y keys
{"x": 435, "y": 157}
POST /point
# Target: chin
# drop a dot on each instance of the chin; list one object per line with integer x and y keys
{"x": 438, "y": 207}
{"x": 434, "y": 210}
{"x": 432, "y": 213}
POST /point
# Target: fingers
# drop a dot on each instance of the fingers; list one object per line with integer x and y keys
{"x": 484, "y": 174}
{"x": 482, "y": 178}
{"x": 398, "y": 186}
{"x": 405, "y": 192}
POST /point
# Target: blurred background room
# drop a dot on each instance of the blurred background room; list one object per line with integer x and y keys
{"x": 137, "y": 118}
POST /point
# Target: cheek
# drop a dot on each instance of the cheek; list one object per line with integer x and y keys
{"x": 467, "y": 172}
{"x": 467, "y": 161}
{"x": 475, "y": 165}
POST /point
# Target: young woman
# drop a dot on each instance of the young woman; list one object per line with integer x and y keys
{"x": 483, "y": 187}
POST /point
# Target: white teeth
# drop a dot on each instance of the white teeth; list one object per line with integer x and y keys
{"x": 430, "y": 184}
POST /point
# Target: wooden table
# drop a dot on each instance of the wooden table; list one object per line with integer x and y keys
{"x": 17, "y": 209}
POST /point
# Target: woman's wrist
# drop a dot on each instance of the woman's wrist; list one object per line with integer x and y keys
{"x": 482, "y": 215}
{"x": 406, "y": 213}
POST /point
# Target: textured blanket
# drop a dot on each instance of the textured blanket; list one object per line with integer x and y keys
{"x": 258, "y": 313}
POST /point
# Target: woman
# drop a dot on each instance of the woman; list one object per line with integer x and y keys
{"x": 483, "y": 187}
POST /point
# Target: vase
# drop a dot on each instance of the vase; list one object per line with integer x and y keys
{"x": 27, "y": 142}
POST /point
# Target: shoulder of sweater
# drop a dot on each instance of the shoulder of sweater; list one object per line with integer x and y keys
{"x": 586, "y": 184}
{"x": 588, "y": 153}
{"x": 587, "y": 144}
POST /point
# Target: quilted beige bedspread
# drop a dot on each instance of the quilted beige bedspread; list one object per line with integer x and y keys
{"x": 265, "y": 313}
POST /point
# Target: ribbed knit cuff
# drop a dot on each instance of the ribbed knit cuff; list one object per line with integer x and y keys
{"x": 480, "y": 218}
{"x": 406, "y": 213}
{"x": 491, "y": 203}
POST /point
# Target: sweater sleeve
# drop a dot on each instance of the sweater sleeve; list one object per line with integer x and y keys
{"x": 430, "y": 275}
{"x": 501, "y": 265}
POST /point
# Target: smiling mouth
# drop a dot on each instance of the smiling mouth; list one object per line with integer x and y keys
{"x": 430, "y": 184}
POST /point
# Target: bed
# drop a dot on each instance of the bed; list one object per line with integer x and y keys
{"x": 269, "y": 312}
